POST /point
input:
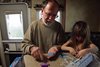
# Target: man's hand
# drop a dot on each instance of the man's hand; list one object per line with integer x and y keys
{"x": 36, "y": 53}
{"x": 52, "y": 51}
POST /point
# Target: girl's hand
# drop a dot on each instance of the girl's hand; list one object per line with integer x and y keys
{"x": 72, "y": 51}
{"x": 81, "y": 53}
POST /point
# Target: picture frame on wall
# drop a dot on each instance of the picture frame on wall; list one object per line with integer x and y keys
{"x": 29, "y": 2}
{"x": 5, "y": 1}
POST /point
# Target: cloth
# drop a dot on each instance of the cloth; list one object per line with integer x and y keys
{"x": 83, "y": 62}
{"x": 43, "y": 36}
{"x": 95, "y": 62}
{"x": 89, "y": 60}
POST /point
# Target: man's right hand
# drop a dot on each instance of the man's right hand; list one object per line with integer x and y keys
{"x": 36, "y": 53}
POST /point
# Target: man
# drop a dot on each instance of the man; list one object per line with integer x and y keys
{"x": 45, "y": 35}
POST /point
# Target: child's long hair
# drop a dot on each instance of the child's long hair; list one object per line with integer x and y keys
{"x": 81, "y": 29}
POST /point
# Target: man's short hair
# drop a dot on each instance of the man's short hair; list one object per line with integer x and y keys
{"x": 45, "y": 2}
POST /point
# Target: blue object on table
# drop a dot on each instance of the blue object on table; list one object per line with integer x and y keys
{"x": 83, "y": 62}
{"x": 16, "y": 60}
{"x": 51, "y": 54}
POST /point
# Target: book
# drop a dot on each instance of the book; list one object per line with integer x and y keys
{"x": 83, "y": 62}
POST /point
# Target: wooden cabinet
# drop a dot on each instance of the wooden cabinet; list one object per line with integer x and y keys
{"x": 12, "y": 49}
{"x": 28, "y": 2}
{"x": 0, "y": 62}
{"x": 11, "y": 55}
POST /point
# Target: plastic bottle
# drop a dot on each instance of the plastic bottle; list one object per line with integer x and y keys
{"x": 44, "y": 65}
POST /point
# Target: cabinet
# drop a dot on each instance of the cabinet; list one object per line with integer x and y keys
{"x": 0, "y": 62}
{"x": 29, "y": 2}
{"x": 10, "y": 56}
{"x": 10, "y": 43}
{"x": 12, "y": 49}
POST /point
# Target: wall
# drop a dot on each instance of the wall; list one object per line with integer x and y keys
{"x": 33, "y": 11}
{"x": 87, "y": 10}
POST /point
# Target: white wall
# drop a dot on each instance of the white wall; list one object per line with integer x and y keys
{"x": 87, "y": 10}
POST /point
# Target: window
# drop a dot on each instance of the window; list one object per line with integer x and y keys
{"x": 14, "y": 25}
{"x": 14, "y": 22}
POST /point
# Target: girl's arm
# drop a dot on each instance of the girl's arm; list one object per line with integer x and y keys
{"x": 67, "y": 48}
{"x": 93, "y": 48}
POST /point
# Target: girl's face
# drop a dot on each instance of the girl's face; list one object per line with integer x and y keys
{"x": 80, "y": 37}
{"x": 80, "y": 31}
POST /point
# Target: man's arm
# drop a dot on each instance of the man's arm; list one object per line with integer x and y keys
{"x": 27, "y": 42}
{"x": 60, "y": 39}
{"x": 28, "y": 45}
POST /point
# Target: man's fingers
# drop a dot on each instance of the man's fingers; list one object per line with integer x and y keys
{"x": 36, "y": 55}
{"x": 35, "y": 52}
{"x": 40, "y": 54}
{"x": 34, "y": 49}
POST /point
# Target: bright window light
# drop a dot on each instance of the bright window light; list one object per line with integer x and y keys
{"x": 14, "y": 24}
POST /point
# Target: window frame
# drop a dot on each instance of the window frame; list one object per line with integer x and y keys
{"x": 25, "y": 15}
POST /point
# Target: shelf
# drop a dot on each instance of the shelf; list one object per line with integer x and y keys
{"x": 11, "y": 41}
{"x": 14, "y": 52}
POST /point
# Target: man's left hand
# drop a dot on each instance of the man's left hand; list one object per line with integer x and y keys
{"x": 52, "y": 51}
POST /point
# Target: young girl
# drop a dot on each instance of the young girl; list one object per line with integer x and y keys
{"x": 80, "y": 44}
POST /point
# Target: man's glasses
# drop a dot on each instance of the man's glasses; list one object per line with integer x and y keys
{"x": 50, "y": 14}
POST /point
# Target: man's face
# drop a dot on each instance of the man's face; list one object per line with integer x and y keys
{"x": 49, "y": 13}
